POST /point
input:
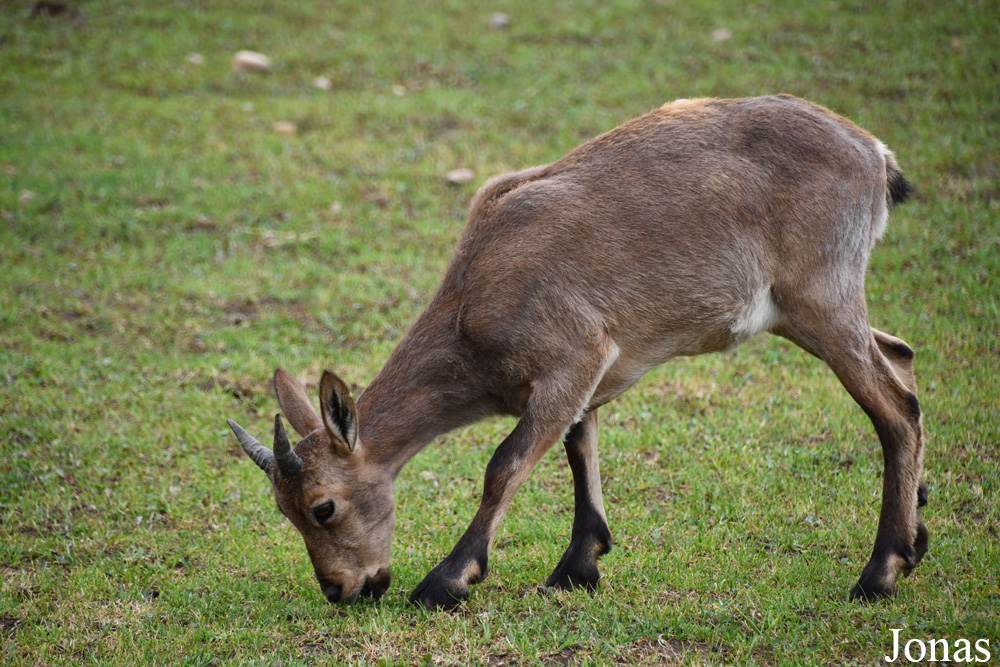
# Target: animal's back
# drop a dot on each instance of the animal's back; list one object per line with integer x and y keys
{"x": 677, "y": 231}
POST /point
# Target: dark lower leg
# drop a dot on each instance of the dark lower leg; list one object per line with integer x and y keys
{"x": 591, "y": 537}
{"x": 901, "y": 540}
{"x": 448, "y": 584}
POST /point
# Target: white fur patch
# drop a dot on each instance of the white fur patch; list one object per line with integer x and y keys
{"x": 684, "y": 103}
{"x": 760, "y": 315}
{"x": 609, "y": 361}
{"x": 883, "y": 218}
{"x": 881, "y": 223}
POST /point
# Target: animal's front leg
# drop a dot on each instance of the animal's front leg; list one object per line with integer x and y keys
{"x": 556, "y": 403}
{"x": 448, "y": 583}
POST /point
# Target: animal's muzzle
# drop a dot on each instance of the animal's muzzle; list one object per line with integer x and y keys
{"x": 373, "y": 588}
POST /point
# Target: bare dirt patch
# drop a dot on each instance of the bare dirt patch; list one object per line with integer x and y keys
{"x": 243, "y": 311}
{"x": 662, "y": 651}
{"x": 9, "y": 624}
{"x": 239, "y": 389}
{"x": 567, "y": 656}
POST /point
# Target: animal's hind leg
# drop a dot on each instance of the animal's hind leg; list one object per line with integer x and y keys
{"x": 900, "y": 357}
{"x": 591, "y": 537}
{"x": 876, "y": 369}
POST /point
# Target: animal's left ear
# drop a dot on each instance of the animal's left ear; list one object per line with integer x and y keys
{"x": 295, "y": 403}
{"x": 339, "y": 414}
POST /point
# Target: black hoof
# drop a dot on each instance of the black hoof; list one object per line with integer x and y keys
{"x": 867, "y": 593}
{"x": 578, "y": 566}
{"x": 437, "y": 591}
{"x": 570, "y": 575}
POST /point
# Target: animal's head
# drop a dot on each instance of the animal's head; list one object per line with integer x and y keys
{"x": 340, "y": 502}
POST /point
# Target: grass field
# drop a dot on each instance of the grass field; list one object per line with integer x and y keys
{"x": 163, "y": 248}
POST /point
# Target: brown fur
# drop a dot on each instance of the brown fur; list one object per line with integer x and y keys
{"x": 295, "y": 403}
{"x": 685, "y": 231}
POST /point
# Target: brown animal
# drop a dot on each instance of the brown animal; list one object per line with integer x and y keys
{"x": 685, "y": 231}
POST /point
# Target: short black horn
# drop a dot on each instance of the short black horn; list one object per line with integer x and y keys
{"x": 289, "y": 462}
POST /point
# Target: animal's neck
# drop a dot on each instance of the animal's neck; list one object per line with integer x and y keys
{"x": 424, "y": 390}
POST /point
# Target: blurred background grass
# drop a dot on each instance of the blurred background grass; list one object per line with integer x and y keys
{"x": 163, "y": 248}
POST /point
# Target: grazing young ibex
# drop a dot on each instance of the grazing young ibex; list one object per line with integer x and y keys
{"x": 685, "y": 231}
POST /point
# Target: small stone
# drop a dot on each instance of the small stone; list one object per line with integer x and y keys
{"x": 399, "y": 90}
{"x": 722, "y": 34}
{"x": 336, "y": 207}
{"x": 195, "y": 59}
{"x": 499, "y": 21}
{"x": 27, "y": 196}
{"x": 285, "y": 127}
{"x": 251, "y": 61}
{"x": 323, "y": 83}
{"x": 459, "y": 176}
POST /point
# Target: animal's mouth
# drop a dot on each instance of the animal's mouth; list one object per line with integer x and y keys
{"x": 375, "y": 587}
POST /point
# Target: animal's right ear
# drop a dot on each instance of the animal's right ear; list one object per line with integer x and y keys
{"x": 295, "y": 404}
{"x": 339, "y": 414}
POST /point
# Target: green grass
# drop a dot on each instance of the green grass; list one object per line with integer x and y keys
{"x": 163, "y": 249}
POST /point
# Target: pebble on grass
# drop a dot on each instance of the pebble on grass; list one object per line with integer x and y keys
{"x": 499, "y": 20}
{"x": 459, "y": 176}
{"x": 251, "y": 61}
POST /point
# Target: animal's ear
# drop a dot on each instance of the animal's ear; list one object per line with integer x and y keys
{"x": 339, "y": 414}
{"x": 295, "y": 404}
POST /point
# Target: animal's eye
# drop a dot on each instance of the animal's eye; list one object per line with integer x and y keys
{"x": 323, "y": 512}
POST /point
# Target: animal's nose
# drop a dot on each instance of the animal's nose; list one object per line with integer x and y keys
{"x": 332, "y": 593}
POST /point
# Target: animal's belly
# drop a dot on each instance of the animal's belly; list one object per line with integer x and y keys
{"x": 701, "y": 333}
{"x": 624, "y": 373}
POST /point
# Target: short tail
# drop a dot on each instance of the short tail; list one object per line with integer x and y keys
{"x": 897, "y": 188}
